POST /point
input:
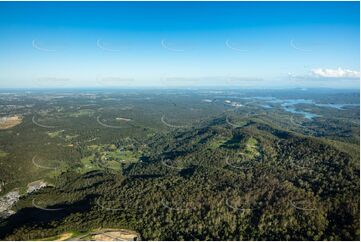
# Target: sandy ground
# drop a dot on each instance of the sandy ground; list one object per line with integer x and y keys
{"x": 9, "y": 122}
{"x": 99, "y": 235}
{"x": 116, "y": 236}
{"x": 64, "y": 236}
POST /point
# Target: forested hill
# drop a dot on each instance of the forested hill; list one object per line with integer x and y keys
{"x": 222, "y": 180}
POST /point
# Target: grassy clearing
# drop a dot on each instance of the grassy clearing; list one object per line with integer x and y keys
{"x": 217, "y": 142}
{"x": 110, "y": 152}
{"x": 62, "y": 167}
{"x": 3, "y": 154}
{"x": 239, "y": 122}
{"x": 87, "y": 165}
{"x": 55, "y": 133}
{"x": 60, "y": 134}
{"x": 107, "y": 157}
{"x": 70, "y": 137}
{"x": 83, "y": 112}
{"x": 250, "y": 148}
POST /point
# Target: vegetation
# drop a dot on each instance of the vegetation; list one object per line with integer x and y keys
{"x": 264, "y": 178}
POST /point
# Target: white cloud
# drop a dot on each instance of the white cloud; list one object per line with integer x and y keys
{"x": 335, "y": 73}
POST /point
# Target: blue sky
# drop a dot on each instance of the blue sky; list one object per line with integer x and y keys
{"x": 186, "y": 44}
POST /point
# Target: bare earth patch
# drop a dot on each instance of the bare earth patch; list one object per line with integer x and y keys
{"x": 9, "y": 122}
{"x": 98, "y": 235}
{"x": 60, "y": 237}
{"x": 65, "y": 236}
{"x": 115, "y": 235}
{"x": 123, "y": 119}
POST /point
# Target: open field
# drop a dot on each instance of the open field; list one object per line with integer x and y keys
{"x": 9, "y": 122}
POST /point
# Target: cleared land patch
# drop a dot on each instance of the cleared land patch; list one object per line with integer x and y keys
{"x": 97, "y": 234}
{"x": 108, "y": 156}
{"x": 9, "y": 122}
{"x": 82, "y": 112}
{"x": 3, "y": 154}
{"x": 55, "y": 133}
